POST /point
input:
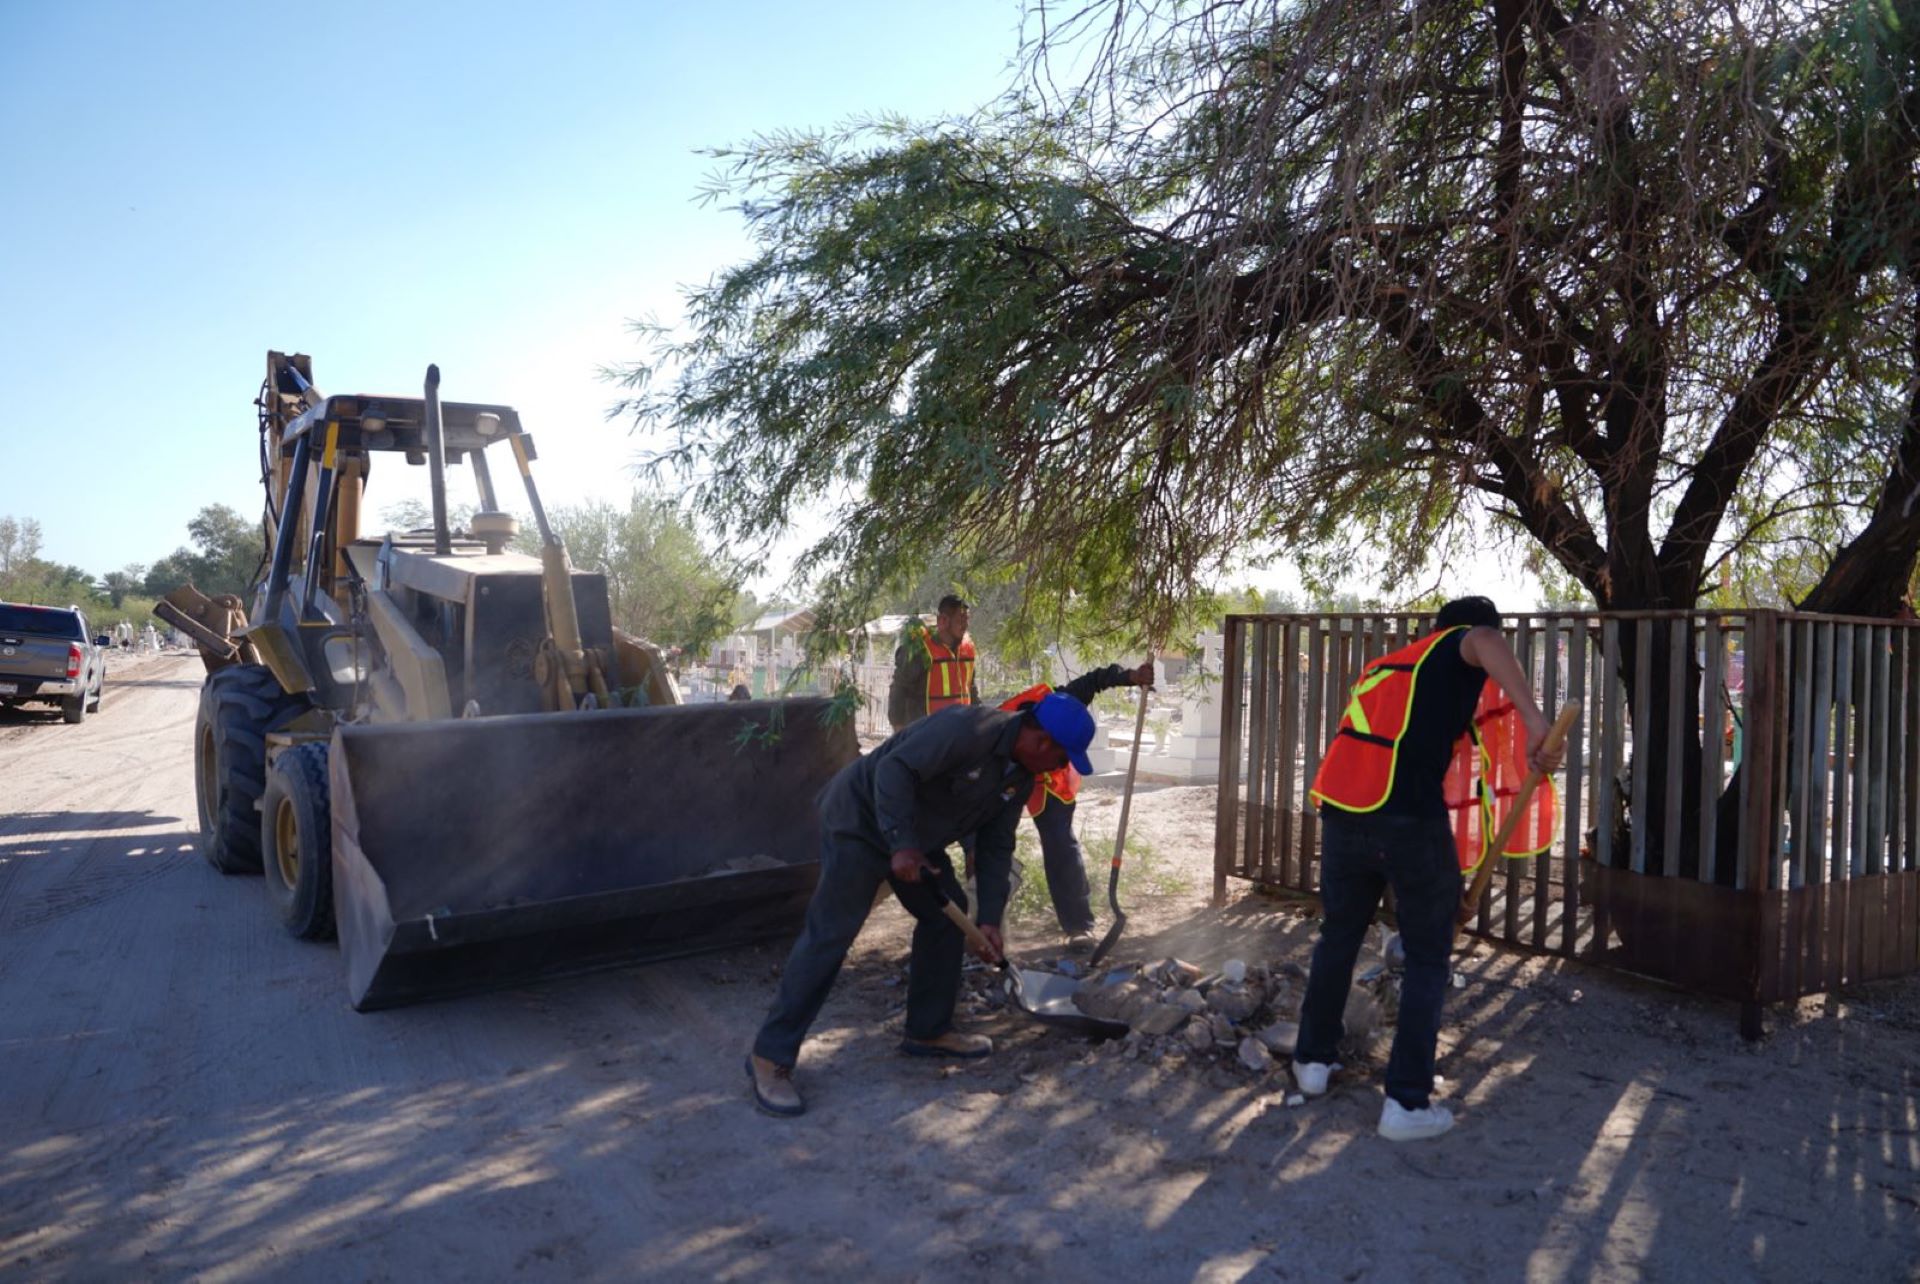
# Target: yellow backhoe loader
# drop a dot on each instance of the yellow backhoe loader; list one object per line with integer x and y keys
{"x": 444, "y": 750}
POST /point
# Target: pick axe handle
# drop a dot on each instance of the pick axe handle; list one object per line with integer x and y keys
{"x": 1556, "y": 736}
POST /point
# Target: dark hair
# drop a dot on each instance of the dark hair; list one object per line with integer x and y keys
{"x": 953, "y": 602}
{"x": 1470, "y": 611}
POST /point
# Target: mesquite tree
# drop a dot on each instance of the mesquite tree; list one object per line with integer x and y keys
{"x": 1331, "y": 276}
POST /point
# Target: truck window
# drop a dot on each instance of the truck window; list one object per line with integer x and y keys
{"x": 43, "y": 620}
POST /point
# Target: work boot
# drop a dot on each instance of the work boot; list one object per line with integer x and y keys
{"x": 1081, "y": 942}
{"x": 964, "y": 1047}
{"x": 773, "y": 1089}
{"x": 1397, "y": 1123}
{"x": 1312, "y": 1076}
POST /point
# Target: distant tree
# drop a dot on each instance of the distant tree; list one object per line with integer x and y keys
{"x": 663, "y": 583}
{"x": 19, "y": 544}
{"x": 117, "y": 584}
{"x": 226, "y": 557}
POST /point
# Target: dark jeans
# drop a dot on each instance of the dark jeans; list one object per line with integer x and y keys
{"x": 1360, "y": 857}
{"x": 851, "y": 871}
{"x": 1066, "y": 866}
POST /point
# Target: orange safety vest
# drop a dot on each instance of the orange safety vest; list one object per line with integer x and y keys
{"x": 949, "y": 672}
{"x": 1489, "y": 761}
{"x": 1063, "y": 783}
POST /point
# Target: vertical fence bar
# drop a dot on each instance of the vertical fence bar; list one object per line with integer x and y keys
{"x": 1607, "y": 787}
{"x": 1550, "y": 678}
{"x": 1674, "y": 765}
{"x": 1643, "y": 724}
{"x": 1227, "y": 804}
{"x": 1882, "y": 707}
{"x": 1270, "y": 832}
{"x": 1576, "y": 788}
{"x": 1314, "y": 741}
{"x": 1510, "y": 869}
{"x": 1256, "y": 856}
{"x": 1289, "y": 744}
{"x": 1713, "y": 721}
{"x": 1832, "y": 925}
{"x": 1757, "y": 816}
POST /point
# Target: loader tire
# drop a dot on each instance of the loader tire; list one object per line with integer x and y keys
{"x": 296, "y": 842}
{"x": 238, "y": 706}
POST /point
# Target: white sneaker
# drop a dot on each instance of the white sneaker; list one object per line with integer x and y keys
{"x": 1312, "y": 1076}
{"x": 1397, "y": 1123}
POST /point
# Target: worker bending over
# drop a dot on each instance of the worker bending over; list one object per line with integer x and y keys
{"x": 1384, "y": 823}
{"x": 889, "y": 816}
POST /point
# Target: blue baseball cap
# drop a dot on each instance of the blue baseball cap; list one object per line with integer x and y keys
{"x": 1071, "y": 726}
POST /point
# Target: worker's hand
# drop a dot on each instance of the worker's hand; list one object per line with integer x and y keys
{"x": 1142, "y": 676}
{"x": 1538, "y": 756}
{"x": 909, "y": 865}
{"x": 994, "y": 939}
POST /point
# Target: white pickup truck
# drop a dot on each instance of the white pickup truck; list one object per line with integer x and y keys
{"x": 47, "y": 655}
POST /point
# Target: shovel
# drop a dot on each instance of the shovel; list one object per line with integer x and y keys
{"x": 1047, "y": 997}
{"x": 1108, "y": 941}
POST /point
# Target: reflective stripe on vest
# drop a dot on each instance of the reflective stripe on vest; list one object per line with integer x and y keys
{"x": 1357, "y": 773}
{"x": 1064, "y": 783}
{"x": 949, "y": 672}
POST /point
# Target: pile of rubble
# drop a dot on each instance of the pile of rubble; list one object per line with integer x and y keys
{"x": 1243, "y": 1014}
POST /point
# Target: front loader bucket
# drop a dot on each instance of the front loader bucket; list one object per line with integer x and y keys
{"x": 482, "y": 852}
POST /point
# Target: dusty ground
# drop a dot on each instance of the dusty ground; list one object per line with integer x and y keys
{"x": 185, "y": 1093}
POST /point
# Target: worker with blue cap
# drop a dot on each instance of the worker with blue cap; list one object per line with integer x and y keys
{"x": 889, "y": 817}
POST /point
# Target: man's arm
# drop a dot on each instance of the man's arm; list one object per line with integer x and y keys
{"x": 1487, "y": 648}
{"x": 1091, "y": 683}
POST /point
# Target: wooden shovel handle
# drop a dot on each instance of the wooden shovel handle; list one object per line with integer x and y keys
{"x": 975, "y": 937}
{"x": 1556, "y": 736}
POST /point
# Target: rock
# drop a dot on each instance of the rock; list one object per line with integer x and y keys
{"x": 1191, "y": 1000}
{"x": 1180, "y": 972}
{"x": 1254, "y": 1055}
{"x": 1280, "y": 1037}
{"x": 1198, "y": 1034}
{"x": 1396, "y": 952}
{"x": 1223, "y": 1032}
{"x": 1235, "y": 1001}
{"x": 1068, "y": 967}
{"x": 1234, "y": 971}
{"x": 1296, "y": 1100}
{"x": 1291, "y": 969}
{"x": 1121, "y": 1002}
{"x": 1362, "y": 1016}
{"x": 1160, "y": 1018}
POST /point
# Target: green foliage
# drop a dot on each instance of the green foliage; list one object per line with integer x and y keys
{"x": 1322, "y": 279}
{"x": 1143, "y": 872}
{"x": 663, "y": 584}
{"x": 227, "y": 555}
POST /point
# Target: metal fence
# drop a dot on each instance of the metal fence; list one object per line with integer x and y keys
{"x": 1740, "y": 804}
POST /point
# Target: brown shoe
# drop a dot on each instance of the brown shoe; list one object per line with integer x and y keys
{"x": 965, "y": 1047}
{"x": 773, "y": 1089}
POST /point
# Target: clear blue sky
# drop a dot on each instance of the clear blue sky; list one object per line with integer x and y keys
{"x": 495, "y": 187}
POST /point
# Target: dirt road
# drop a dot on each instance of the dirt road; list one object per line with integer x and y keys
{"x": 184, "y": 1093}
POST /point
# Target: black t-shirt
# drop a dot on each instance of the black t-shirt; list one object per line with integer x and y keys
{"x": 1444, "y": 698}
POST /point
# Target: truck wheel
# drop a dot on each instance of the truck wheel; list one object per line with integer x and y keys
{"x": 74, "y": 708}
{"x": 238, "y": 706}
{"x": 296, "y": 839}
{"x": 99, "y": 694}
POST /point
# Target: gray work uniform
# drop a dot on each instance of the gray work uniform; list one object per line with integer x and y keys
{"x": 945, "y": 777}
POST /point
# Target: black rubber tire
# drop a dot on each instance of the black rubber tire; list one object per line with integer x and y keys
{"x": 297, "y": 794}
{"x": 74, "y": 708}
{"x": 99, "y": 694}
{"x": 239, "y": 705}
